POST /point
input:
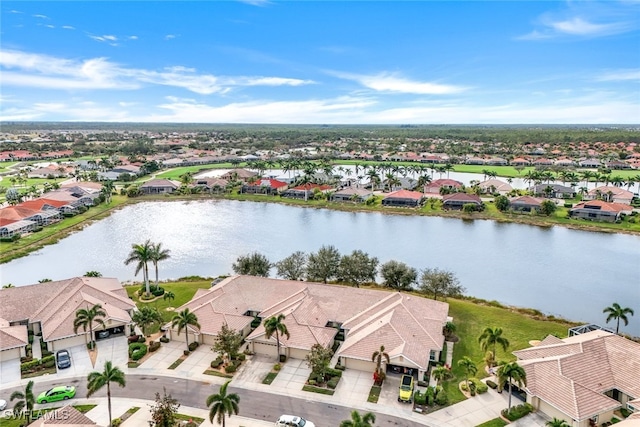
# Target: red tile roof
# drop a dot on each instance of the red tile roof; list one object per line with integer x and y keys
{"x": 405, "y": 194}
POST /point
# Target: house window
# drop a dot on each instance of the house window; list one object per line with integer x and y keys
{"x": 432, "y": 355}
{"x": 631, "y": 408}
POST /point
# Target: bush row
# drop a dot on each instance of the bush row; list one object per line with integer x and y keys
{"x": 517, "y": 412}
{"x": 45, "y": 362}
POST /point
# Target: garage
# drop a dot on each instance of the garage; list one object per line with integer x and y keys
{"x": 298, "y": 353}
{"x": 9, "y": 370}
{"x": 78, "y": 340}
{"x": 11, "y": 354}
{"x": 266, "y": 349}
{"x": 117, "y": 331}
{"x": 360, "y": 365}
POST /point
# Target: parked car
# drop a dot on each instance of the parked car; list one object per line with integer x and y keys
{"x": 63, "y": 359}
{"x": 57, "y": 393}
{"x": 293, "y": 421}
{"x": 103, "y": 334}
{"x": 405, "y": 393}
{"x": 3, "y": 404}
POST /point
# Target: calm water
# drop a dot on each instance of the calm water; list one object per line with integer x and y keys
{"x": 559, "y": 271}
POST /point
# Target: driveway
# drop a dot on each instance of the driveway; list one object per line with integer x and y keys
{"x": 354, "y": 386}
{"x": 114, "y": 349}
{"x": 162, "y": 358}
{"x": 9, "y": 371}
{"x": 293, "y": 375}
{"x": 254, "y": 370}
{"x": 80, "y": 363}
{"x": 389, "y": 394}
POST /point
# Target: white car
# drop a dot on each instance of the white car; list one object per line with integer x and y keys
{"x": 293, "y": 421}
{"x": 3, "y": 404}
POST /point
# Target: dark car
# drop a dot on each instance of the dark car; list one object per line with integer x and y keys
{"x": 63, "y": 359}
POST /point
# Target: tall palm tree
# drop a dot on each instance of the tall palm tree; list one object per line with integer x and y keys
{"x": 557, "y": 423}
{"x": 141, "y": 254}
{"x": 26, "y": 400}
{"x": 158, "y": 254}
{"x": 491, "y": 337}
{"x": 469, "y": 367}
{"x": 440, "y": 373}
{"x": 617, "y": 312}
{"x": 513, "y": 373}
{"x": 276, "y": 325}
{"x": 86, "y": 317}
{"x": 97, "y": 380}
{"x": 222, "y": 404}
{"x": 146, "y": 317}
{"x": 377, "y": 357}
{"x": 358, "y": 420}
{"x": 182, "y": 320}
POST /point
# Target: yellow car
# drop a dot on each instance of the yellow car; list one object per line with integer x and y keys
{"x": 406, "y": 389}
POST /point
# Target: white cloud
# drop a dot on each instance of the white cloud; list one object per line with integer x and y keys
{"x": 41, "y": 16}
{"x": 104, "y": 38}
{"x": 386, "y": 82}
{"x": 68, "y": 27}
{"x": 580, "y": 27}
{"x": 170, "y": 36}
{"x": 133, "y": 37}
{"x": 35, "y": 70}
{"x": 256, "y": 2}
{"x": 620, "y": 75}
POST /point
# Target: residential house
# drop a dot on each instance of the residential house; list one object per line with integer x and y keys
{"x": 459, "y": 200}
{"x": 212, "y": 185}
{"x": 525, "y": 204}
{"x": 582, "y": 379}
{"x": 599, "y": 210}
{"x": 434, "y": 187}
{"x": 67, "y": 416}
{"x": 617, "y": 164}
{"x": 519, "y": 161}
{"x": 352, "y": 194}
{"x": 403, "y": 198}
{"x": 497, "y": 161}
{"x": 13, "y": 341}
{"x": 51, "y": 171}
{"x": 475, "y": 161}
{"x": 306, "y": 191}
{"x": 243, "y": 175}
{"x": 159, "y": 186}
{"x": 12, "y": 227}
{"x": 542, "y": 162}
{"x": 590, "y": 163}
{"x": 359, "y": 321}
{"x": 401, "y": 183}
{"x": 493, "y": 185}
{"x": 565, "y": 163}
{"x": 609, "y": 193}
{"x": 556, "y": 191}
{"x": 264, "y": 186}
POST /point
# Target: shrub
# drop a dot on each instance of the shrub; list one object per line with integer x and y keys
{"x": 312, "y": 382}
{"x": 155, "y": 345}
{"x": 492, "y": 384}
{"x": 193, "y": 346}
{"x": 333, "y": 372}
{"x": 164, "y": 339}
{"x": 27, "y": 366}
{"x": 341, "y": 367}
{"x": 479, "y": 385}
{"x": 420, "y": 398}
{"x": 423, "y": 384}
{"x": 230, "y": 369}
{"x": 49, "y": 364}
{"x": 441, "y": 397}
{"x": 333, "y": 382}
{"x": 277, "y": 367}
{"x": 283, "y": 358}
{"x": 241, "y": 357}
{"x": 137, "y": 351}
{"x": 517, "y": 412}
{"x": 133, "y": 338}
{"x": 625, "y": 412}
{"x": 215, "y": 363}
{"x": 186, "y": 352}
{"x": 116, "y": 422}
{"x": 141, "y": 339}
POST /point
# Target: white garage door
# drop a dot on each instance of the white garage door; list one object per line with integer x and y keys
{"x": 12, "y": 354}
{"x": 265, "y": 349}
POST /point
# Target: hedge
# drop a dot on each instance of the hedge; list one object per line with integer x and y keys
{"x": 215, "y": 363}
{"x": 333, "y": 372}
{"x": 137, "y": 351}
{"x": 47, "y": 362}
{"x": 492, "y": 384}
{"x": 230, "y": 369}
{"x": 333, "y": 382}
{"x": 517, "y": 412}
{"x": 480, "y": 386}
{"x": 156, "y": 291}
{"x": 155, "y": 345}
{"x": 193, "y": 346}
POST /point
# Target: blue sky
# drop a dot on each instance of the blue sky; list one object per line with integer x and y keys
{"x": 331, "y": 62}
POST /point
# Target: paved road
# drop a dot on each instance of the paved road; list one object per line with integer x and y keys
{"x": 253, "y": 404}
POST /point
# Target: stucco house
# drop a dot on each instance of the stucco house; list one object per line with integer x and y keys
{"x": 525, "y": 204}
{"x": 433, "y": 188}
{"x": 459, "y": 200}
{"x": 243, "y": 175}
{"x": 582, "y": 379}
{"x": 358, "y": 320}
{"x": 351, "y": 194}
{"x": 403, "y": 198}
{"x": 599, "y": 210}
{"x": 610, "y": 193}
{"x": 495, "y": 186}
{"x": 264, "y": 186}
{"x": 159, "y": 186}
{"x": 553, "y": 190}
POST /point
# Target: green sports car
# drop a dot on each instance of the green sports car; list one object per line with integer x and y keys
{"x": 56, "y": 393}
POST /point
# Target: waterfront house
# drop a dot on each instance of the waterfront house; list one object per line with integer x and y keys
{"x": 617, "y": 164}
{"x": 243, "y": 175}
{"x": 352, "y": 194}
{"x": 212, "y": 185}
{"x": 599, "y": 210}
{"x": 457, "y": 201}
{"x": 264, "y": 186}
{"x": 590, "y": 163}
{"x": 525, "y": 204}
{"x": 610, "y": 193}
{"x": 553, "y": 191}
{"x": 582, "y": 379}
{"x": 403, "y": 198}
{"x": 434, "y": 187}
{"x": 306, "y": 191}
{"x": 493, "y": 185}
{"x": 159, "y": 186}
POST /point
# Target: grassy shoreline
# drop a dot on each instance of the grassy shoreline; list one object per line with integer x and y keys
{"x": 52, "y": 234}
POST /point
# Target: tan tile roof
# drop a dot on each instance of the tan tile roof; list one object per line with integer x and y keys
{"x": 54, "y": 304}
{"x": 13, "y": 336}
{"x": 414, "y": 323}
{"x": 67, "y": 416}
{"x": 574, "y": 374}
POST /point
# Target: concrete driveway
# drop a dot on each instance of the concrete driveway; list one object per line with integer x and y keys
{"x": 80, "y": 362}
{"x": 163, "y": 357}
{"x": 293, "y": 375}
{"x": 389, "y": 394}
{"x": 114, "y": 349}
{"x": 354, "y": 385}
{"x": 9, "y": 371}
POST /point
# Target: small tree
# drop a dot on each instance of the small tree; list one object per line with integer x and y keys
{"x": 25, "y": 400}
{"x": 163, "y": 413}
{"x": 436, "y": 282}
{"x": 616, "y": 312}
{"x": 358, "y": 268}
{"x": 318, "y": 360}
{"x": 440, "y": 373}
{"x": 469, "y": 367}
{"x": 547, "y": 207}
{"x": 377, "y": 358}
{"x": 254, "y": 264}
{"x": 146, "y": 317}
{"x": 512, "y": 373}
{"x": 398, "y": 275}
{"x": 227, "y": 341}
{"x": 502, "y": 203}
{"x": 275, "y": 325}
{"x": 92, "y": 273}
{"x": 292, "y": 267}
{"x": 323, "y": 265}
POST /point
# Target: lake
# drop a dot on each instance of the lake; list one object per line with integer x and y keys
{"x": 568, "y": 273}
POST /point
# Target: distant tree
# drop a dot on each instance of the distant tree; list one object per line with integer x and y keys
{"x": 93, "y": 273}
{"x": 45, "y": 280}
{"x": 357, "y": 268}
{"x": 227, "y": 341}
{"x": 617, "y": 312}
{"x": 323, "y": 265}
{"x": 164, "y": 411}
{"x": 292, "y": 267}
{"x": 254, "y": 264}
{"x": 434, "y": 281}
{"x": 168, "y": 295}
{"x": 547, "y": 207}
{"x": 398, "y": 275}
{"x": 318, "y": 360}
{"x": 7, "y": 286}
{"x": 502, "y": 203}
{"x": 357, "y": 420}
{"x": 491, "y": 338}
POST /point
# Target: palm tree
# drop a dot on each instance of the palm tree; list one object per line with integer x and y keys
{"x": 557, "y": 423}
{"x": 146, "y": 317}
{"x": 377, "y": 357}
{"x": 168, "y": 295}
{"x": 469, "y": 368}
{"x": 222, "y": 404}
{"x": 182, "y": 320}
{"x": 491, "y": 337}
{"x": 97, "y": 380}
{"x": 158, "y": 254}
{"x": 86, "y": 318}
{"x": 358, "y": 420}
{"x": 142, "y": 255}
{"x": 440, "y": 373}
{"x": 26, "y": 400}
{"x": 617, "y": 312}
{"x": 512, "y": 372}
{"x": 276, "y": 325}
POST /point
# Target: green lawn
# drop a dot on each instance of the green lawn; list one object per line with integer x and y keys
{"x": 471, "y": 319}
{"x": 176, "y": 172}
{"x": 496, "y": 422}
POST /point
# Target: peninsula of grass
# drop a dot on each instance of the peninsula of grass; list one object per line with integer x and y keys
{"x": 189, "y": 418}
{"x": 374, "y": 394}
{"x": 318, "y": 390}
{"x": 496, "y": 422}
{"x": 269, "y": 378}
